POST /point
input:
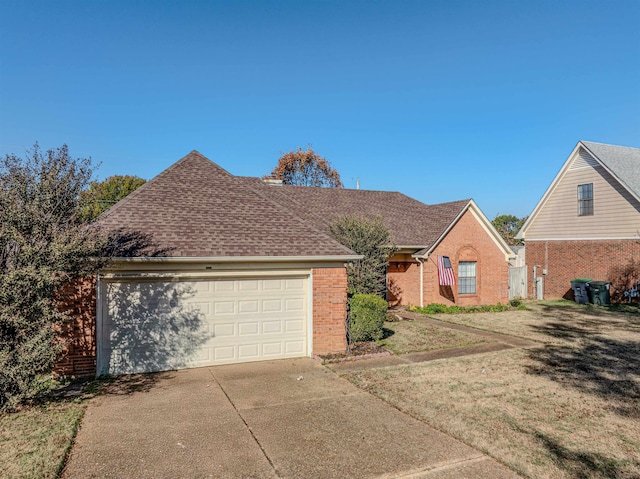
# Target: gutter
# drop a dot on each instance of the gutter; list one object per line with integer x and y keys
{"x": 421, "y": 262}
{"x": 235, "y": 259}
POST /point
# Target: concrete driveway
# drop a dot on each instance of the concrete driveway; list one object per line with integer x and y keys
{"x": 277, "y": 419}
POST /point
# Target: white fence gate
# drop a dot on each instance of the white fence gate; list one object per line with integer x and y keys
{"x": 518, "y": 282}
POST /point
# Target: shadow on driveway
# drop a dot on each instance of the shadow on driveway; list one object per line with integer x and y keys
{"x": 285, "y": 419}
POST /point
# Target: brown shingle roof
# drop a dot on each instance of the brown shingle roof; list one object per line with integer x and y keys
{"x": 410, "y": 222}
{"x": 195, "y": 208}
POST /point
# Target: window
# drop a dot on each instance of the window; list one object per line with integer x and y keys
{"x": 467, "y": 277}
{"x": 585, "y": 200}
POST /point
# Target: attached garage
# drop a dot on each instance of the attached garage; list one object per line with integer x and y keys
{"x": 156, "y": 324}
{"x": 205, "y": 270}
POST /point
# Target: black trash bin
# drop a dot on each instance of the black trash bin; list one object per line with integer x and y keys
{"x": 599, "y": 292}
{"x": 580, "y": 288}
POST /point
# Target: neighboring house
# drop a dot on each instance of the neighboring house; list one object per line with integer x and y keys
{"x": 251, "y": 272}
{"x": 587, "y": 224}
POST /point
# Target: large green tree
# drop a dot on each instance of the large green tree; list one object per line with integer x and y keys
{"x": 102, "y": 195}
{"x": 370, "y": 238}
{"x": 43, "y": 246}
{"x": 306, "y": 168}
{"x": 508, "y": 227}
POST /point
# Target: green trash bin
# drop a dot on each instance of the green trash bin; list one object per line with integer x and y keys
{"x": 580, "y": 288}
{"x": 599, "y": 292}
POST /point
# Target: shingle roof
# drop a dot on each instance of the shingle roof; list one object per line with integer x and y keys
{"x": 622, "y": 161}
{"x": 197, "y": 209}
{"x": 410, "y": 222}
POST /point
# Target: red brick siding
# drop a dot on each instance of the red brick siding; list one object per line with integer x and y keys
{"x": 466, "y": 241}
{"x": 78, "y": 299}
{"x": 403, "y": 282}
{"x": 566, "y": 260}
{"x": 329, "y": 310}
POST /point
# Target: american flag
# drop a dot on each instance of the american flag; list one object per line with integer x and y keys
{"x": 445, "y": 271}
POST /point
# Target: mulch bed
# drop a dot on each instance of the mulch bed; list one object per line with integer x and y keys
{"x": 358, "y": 350}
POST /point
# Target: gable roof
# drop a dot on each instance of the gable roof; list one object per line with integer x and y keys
{"x": 622, "y": 162}
{"x": 194, "y": 208}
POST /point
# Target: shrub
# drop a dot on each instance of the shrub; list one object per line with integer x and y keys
{"x": 367, "y": 315}
{"x": 515, "y": 303}
{"x": 43, "y": 246}
{"x": 371, "y": 239}
{"x": 437, "y": 308}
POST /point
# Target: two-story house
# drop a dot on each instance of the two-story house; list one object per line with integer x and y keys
{"x": 587, "y": 224}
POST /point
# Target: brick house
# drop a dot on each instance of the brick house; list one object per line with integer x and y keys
{"x": 458, "y": 230}
{"x": 250, "y": 272}
{"x": 587, "y": 223}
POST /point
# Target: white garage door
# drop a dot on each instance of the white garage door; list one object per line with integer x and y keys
{"x": 149, "y": 325}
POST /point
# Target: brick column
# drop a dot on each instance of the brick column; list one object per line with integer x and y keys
{"x": 329, "y": 310}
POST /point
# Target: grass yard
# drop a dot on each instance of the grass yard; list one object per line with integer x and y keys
{"x": 408, "y": 336}
{"x": 567, "y": 409}
{"x": 34, "y": 441}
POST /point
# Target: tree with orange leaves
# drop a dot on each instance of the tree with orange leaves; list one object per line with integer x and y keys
{"x": 306, "y": 168}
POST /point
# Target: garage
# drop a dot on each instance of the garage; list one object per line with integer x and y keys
{"x": 158, "y": 324}
{"x": 206, "y": 269}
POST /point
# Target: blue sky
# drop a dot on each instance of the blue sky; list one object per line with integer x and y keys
{"x": 441, "y": 100}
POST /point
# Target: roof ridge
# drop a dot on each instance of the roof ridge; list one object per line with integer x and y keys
{"x": 584, "y": 142}
{"x": 299, "y": 200}
{"x": 465, "y": 200}
{"x": 322, "y": 188}
{"x": 162, "y": 174}
{"x": 291, "y": 213}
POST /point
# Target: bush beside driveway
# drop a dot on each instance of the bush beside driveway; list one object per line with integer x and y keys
{"x": 569, "y": 408}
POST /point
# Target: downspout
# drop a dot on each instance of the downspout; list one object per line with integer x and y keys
{"x": 419, "y": 260}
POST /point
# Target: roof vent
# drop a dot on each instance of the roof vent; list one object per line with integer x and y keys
{"x": 272, "y": 181}
{"x": 583, "y": 160}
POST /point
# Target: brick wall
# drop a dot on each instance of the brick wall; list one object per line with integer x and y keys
{"x": 403, "y": 281}
{"x": 329, "y": 310}
{"x": 566, "y": 260}
{"x": 78, "y": 299}
{"x": 467, "y": 241}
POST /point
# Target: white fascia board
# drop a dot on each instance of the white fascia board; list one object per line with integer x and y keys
{"x": 203, "y": 274}
{"x": 484, "y": 223}
{"x": 491, "y": 230}
{"x": 522, "y": 233}
{"x": 446, "y": 231}
{"x": 237, "y": 259}
{"x": 227, "y": 263}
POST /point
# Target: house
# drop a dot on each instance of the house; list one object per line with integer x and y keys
{"x": 458, "y": 230}
{"x": 250, "y": 272}
{"x": 587, "y": 223}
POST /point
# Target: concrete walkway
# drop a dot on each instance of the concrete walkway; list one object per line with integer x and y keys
{"x": 278, "y": 419}
{"x": 498, "y": 342}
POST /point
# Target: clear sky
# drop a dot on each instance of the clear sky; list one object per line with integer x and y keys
{"x": 441, "y": 100}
